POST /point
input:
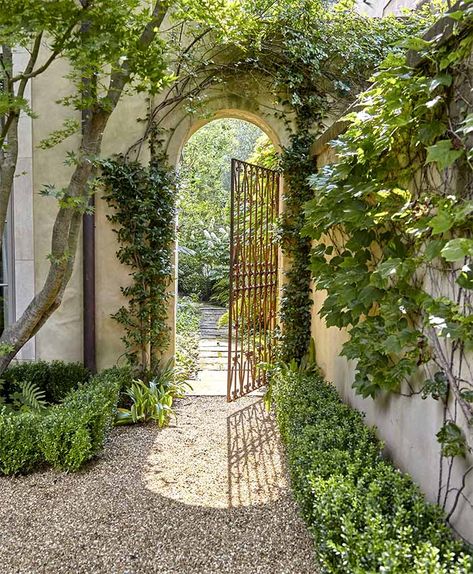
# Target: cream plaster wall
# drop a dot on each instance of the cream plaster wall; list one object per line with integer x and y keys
{"x": 62, "y": 335}
{"x": 23, "y": 274}
{"x": 407, "y": 425}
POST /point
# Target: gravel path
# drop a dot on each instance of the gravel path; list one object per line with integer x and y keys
{"x": 208, "y": 495}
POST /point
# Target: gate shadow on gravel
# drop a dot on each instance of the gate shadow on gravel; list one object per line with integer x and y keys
{"x": 255, "y": 468}
{"x": 123, "y": 515}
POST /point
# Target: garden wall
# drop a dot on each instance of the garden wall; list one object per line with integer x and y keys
{"x": 62, "y": 335}
{"x": 407, "y": 424}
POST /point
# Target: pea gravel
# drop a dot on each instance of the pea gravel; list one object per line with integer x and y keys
{"x": 207, "y": 495}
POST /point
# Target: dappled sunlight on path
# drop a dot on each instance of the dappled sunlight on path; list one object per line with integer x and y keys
{"x": 208, "y": 495}
{"x": 219, "y": 455}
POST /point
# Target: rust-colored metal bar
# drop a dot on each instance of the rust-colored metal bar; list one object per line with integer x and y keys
{"x": 232, "y": 263}
{"x": 253, "y": 276}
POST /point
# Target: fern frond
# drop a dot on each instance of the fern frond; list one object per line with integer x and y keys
{"x": 30, "y": 397}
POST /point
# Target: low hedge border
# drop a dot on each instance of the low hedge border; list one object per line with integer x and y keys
{"x": 68, "y": 434}
{"x": 56, "y": 378}
{"x": 364, "y": 514}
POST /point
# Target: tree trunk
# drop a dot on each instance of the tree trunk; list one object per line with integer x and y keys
{"x": 68, "y": 220}
{"x": 8, "y": 151}
{"x": 63, "y": 248}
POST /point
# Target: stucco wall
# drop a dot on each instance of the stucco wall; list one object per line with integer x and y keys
{"x": 62, "y": 335}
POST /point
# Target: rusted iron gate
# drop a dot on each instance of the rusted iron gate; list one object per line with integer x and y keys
{"x": 253, "y": 276}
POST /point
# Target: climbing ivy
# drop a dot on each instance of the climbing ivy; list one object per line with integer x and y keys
{"x": 296, "y": 301}
{"x": 143, "y": 200}
{"x": 392, "y": 220}
{"x": 312, "y": 74}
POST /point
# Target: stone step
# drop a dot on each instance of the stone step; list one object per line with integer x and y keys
{"x": 217, "y": 343}
{"x": 212, "y": 367}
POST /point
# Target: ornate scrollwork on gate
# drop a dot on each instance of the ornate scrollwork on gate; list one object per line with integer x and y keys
{"x": 253, "y": 276}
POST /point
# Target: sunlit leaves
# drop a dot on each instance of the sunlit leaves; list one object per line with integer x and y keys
{"x": 384, "y": 219}
{"x": 71, "y": 126}
{"x": 457, "y": 249}
{"x": 443, "y": 154}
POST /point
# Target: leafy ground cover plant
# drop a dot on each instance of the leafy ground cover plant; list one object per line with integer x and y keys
{"x": 364, "y": 515}
{"x": 152, "y": 401}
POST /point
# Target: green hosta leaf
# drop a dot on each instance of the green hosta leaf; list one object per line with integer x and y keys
{"x": 443, "y": 154}
{"x": 456, "y": 249}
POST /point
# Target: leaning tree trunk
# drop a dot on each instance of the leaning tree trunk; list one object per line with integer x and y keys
{"x": 68, "y": 220}
{"x": 63, "y": 248}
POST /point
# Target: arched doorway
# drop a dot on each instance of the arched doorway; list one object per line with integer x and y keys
{"x": 241, "y": 218}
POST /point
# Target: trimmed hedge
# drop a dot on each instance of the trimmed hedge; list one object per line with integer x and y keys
{"x": 364, "y": 514}
{"x": 67, "y": 434}
{"x": 56, "y": 378}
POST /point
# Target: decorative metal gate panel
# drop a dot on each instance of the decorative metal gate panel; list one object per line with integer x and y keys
{"x": 253, "y": 276}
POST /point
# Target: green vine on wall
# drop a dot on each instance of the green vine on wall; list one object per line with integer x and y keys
{"x": 393, "y": 221}
{"x": 143, "y": 202}
{"x": 295, "y": 308}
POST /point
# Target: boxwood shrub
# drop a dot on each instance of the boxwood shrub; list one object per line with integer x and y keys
{"x": 364, "y": 514}
{"x": 56, "y": 378}
{"x": 19, "y": 451}
{"x": 67, "y": 434}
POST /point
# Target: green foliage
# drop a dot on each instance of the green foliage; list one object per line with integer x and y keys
{"x": 264, "y": 154}
{"x": 296, "y": 302}
{"x": 452, "y": 439}
{"x": 74, "y": 431}
{"x": 204, "y": 268}
{"x": 364, "y": 515}
{"x": 19, "y": 452}
{"x": 56, "y": 379}
{"x": 152, "y": 401}
{"x": 65, "y": 435}
{"x": 204, "y": 206}
{"x": 187, "y": 339}
{"x": 393, "y": 230}
{"x": 143, "y": 200}
{"x": 29, "y": 398}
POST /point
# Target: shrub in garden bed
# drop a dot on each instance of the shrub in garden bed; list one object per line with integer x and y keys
{"x": 65, "y": 435}
{"x": 364, "y": 515}
{"x": 56, "y": 378}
